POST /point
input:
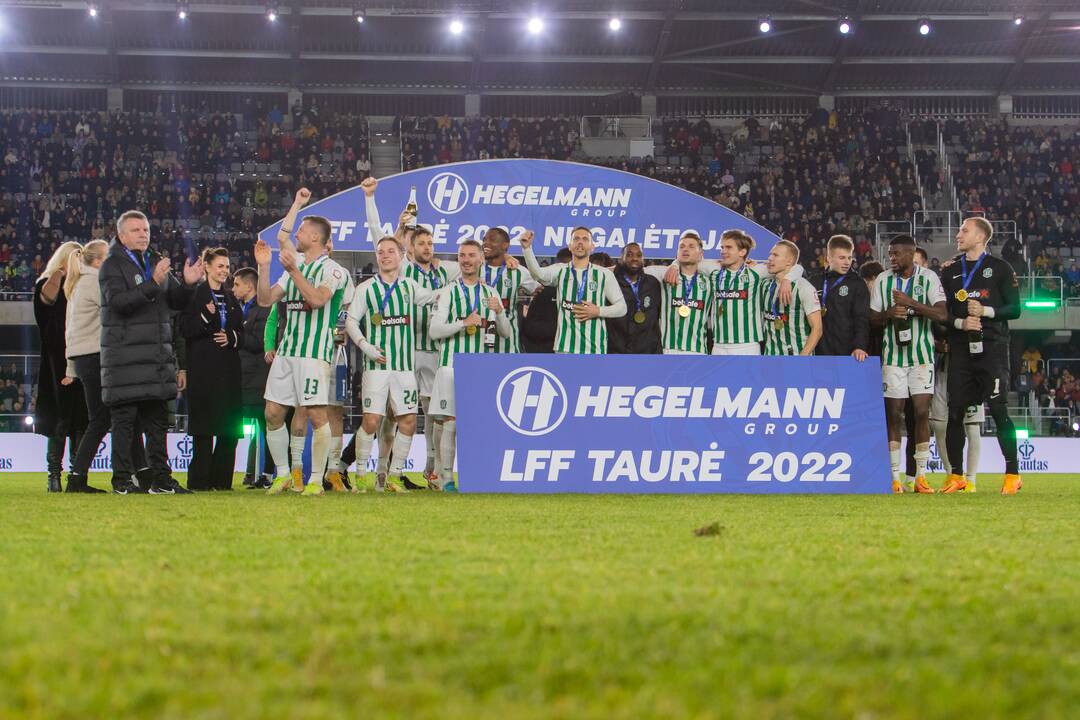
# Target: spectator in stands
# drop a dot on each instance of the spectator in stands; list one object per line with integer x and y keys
{"x": 61, "y": 410}
{"x": 138, "y": 367}
{"x": 212, "y": 326}
{"x": 1031, "y": 359}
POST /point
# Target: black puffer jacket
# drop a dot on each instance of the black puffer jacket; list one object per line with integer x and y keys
{"x": 252, "y": 358}
{"x": 137, "y": 359}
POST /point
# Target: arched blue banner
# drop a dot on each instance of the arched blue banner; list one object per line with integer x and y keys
{"x": 550, "y": 197}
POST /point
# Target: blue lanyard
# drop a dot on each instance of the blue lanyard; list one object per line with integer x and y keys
{"x": 498, "y": 275}
{"x": 776, "y": 298}
{"x": 144, "y": 266}
{"x": 470, "y": 308}
{"x": 826, "y": 287}
{"x": 687, "y": 287}
{"x": 386, "y": 295}
{"x": 580, "y": 287}
{"x": 246, "y": 307}
{"x": 965, "y": 276}
{"x": 635, "y": 288}
{"x": 222, "y": 309}
{"x": 432, "y": 276}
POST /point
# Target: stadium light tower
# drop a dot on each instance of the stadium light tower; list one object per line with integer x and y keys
{"x": 182, "y": 9}
{"x": 845, "y": 26}
{"x": 614, "y": 24}
{"x": 92, "y": 9}
{"x": 924, "y": 26}
{"x": 535, "y": 25}
{"x": 359, "y": 14}
{"x": 765, "y": 24}
{"x": 271, "y": 12}
{"x": 456, "y": 27}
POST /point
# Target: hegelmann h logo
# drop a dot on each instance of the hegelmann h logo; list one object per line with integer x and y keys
{"x": 448, "y": 193}
{"x": 531, "y": 401}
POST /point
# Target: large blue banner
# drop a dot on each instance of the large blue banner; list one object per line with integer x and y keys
{"x": 460, "y": 201}
{"x": 670, "y": 424}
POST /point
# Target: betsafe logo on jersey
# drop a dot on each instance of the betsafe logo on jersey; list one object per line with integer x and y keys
{"x": 531, "y": 401}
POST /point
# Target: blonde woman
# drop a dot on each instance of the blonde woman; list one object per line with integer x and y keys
{"x": 60, "y": 414}
{"x": 83, "y": 337}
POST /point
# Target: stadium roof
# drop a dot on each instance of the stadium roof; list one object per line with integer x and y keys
{"x": 663, "y": 46}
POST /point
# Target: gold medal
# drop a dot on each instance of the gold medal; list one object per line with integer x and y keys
{"x": 962, "y": 295}
{"x": 639, "y": 317}
{"x": 684, "y": 311}
{"x": 471, "y": 330}
{"x": 778, "y": 323}
{"x": 376, "y": 319}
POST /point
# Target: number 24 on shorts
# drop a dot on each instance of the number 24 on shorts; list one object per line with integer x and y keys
{"x": 411, "y": 397}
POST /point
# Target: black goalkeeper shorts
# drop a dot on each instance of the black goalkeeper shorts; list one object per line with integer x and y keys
{"x": 975, "y": 379}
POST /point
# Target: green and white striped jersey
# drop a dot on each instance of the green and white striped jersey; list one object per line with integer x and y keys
{"x": 924, "y": 287}
{"x": 394, "y": 335}
{"x": 433, "y": 279}
{"x": 593, "y": 284}
{"x": 790, "y": 338}
{"x": 455, "y": 303}
{"x": 686, "y": 334}
{"x": 508, "y": 284}
{"x": 309, "y": 332}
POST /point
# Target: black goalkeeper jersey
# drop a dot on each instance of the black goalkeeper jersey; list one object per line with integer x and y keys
{"x": 994, "y": 284}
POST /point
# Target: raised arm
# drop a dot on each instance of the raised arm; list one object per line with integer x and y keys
{"x": 374, "y": 223}
{"x": 288, "y": 225}
{"x": 544, "y": 276}
{"x": 265, "y": 293}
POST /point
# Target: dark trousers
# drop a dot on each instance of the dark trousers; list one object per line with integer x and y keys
{"x": 88, "y": 368}
{"x": 212, "y": 461}
{"x": 153, "y": 417}
{"x": 253, "y": 414}
{"x": 54, "y": 452}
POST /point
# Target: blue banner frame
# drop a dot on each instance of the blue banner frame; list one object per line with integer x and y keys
{"x": 670, "y": 424}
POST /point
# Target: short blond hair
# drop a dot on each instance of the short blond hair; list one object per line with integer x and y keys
{"x": 791, "y": 248}
{"x": 129, "y": 215}
{"x": 984, "y": 226}
{"x": 842, "y": 242}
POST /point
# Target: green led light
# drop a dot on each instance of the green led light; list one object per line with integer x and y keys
{"x": 1040, "y": 303}
{"x": 249, "y": 430}
{"x": 1021, "y": 433}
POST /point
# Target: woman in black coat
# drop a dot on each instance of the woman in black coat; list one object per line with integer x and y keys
{"x": 212, "y": 326}
{"x": 60, "y": 414}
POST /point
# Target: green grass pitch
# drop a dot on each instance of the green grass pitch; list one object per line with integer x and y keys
{"x": 240, "y": 605}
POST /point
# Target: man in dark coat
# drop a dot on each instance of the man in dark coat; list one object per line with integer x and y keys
{"x": 638, "y": 331}
{"x": 138, "y": 367}
{"x": 254, "y": 369}
{"x": 845, "y": 305}
{"x": 539, "y": 324}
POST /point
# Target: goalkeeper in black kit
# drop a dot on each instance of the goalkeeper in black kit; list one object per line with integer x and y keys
{"x": 982, "y": 295}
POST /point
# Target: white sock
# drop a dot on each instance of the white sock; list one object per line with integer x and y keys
{"x": 296, "y": 450}
{"x": 435, "y": 441}
{"x": 402, "y": 443}
{"x": 278, "y": 442}
{"x": 974, "y": 445}
{"x": 320, "y": 451}
{"x": 333, "y": 458}
{"x": 922, "y": 457}
{"x": 383, "y": 463}
{"x": 939, "y": 427}
{"x": 429, "y": 466}
{"x": 363, "y": 449}
{"x": 446, "y": 451}
{"x": 894, "y": 460}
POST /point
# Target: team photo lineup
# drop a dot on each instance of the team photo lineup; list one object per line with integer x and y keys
{"x": 418, "y": 312}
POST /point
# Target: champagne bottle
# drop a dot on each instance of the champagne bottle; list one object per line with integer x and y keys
{"x": 903, "y": 329}
{"x": 975, "y": 342}
{"x": 411, "y": 208}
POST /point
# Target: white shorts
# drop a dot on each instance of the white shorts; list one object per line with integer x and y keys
{"x": 736, "y": 349}
{"x": 395, "y": 389}
{"x": 426, "y": 364}
{"x": 903, "y": 382}
{"x": 299, "y": 382}
{"x": 442, "y": 394}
